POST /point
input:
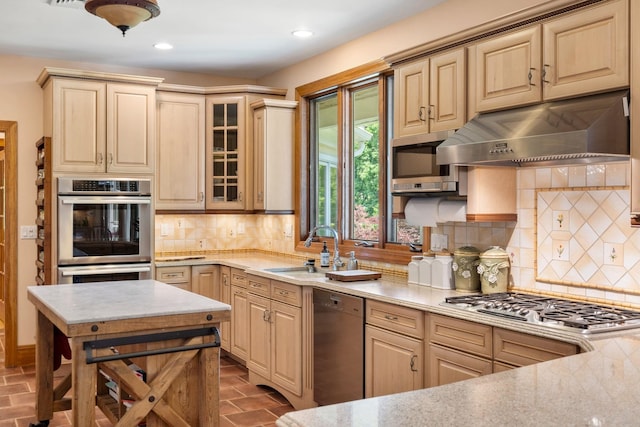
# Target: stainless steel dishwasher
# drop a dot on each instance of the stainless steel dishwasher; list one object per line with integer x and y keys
{"x": 338, "y": 347}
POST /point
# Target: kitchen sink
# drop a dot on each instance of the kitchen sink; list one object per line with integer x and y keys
{"x": 301, "y": 272}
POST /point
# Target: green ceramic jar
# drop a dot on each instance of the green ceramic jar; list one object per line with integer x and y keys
{"x": 494, "y": 270}
{"x": 465, "y": 269}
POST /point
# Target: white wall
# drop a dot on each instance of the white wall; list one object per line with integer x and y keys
{"x": 443, "y": 20}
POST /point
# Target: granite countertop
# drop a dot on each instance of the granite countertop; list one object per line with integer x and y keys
{"x": 108, "y": 301}
{"x": 598, "y": 387}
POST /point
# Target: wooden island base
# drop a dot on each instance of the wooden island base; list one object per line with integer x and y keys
{"x": 174, "y": 380}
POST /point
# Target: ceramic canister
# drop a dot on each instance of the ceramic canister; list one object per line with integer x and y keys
{"x": 494, "y": 270}
{"x": 465, "y": 269}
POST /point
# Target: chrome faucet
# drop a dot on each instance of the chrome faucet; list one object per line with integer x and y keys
{"x": 337, "y": 262}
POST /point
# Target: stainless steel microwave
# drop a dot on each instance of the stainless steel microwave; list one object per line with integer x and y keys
{"x": 414, "y": 169}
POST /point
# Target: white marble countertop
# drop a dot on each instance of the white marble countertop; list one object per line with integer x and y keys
{"x": 108, "y": 301}
{"x": 596, "y": 388}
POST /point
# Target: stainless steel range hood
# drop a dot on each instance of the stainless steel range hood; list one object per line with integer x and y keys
{"x": 590, "y": 129}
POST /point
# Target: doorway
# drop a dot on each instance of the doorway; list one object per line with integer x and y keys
{"x": 8, "y": 239}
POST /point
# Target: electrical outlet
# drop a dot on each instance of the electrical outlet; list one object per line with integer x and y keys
{"x": 28, "y": 231}
{"x": 288, "y": 230}
{"x": 439, "y": 241}
{"x": 164, "y": 229}
{"x": 241, "y": 228}
{"x": 230, "y": 232}
{"x": 444, "y": 241}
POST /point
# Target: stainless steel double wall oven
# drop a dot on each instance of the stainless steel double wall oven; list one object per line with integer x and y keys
{"x": 104, "y": 229}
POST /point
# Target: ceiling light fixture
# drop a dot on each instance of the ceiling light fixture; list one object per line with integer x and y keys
{"x": 123, "y": 14}
{"x": 302, "y": 33}
{"x": 163, "y": 46}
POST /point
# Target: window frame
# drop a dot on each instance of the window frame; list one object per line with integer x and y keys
{"x": 394, "y": 253}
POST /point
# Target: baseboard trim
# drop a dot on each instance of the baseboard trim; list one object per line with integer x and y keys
{"x": 26, "y": 355}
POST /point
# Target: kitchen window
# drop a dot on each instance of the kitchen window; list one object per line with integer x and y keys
{"x": 344, "y": 145}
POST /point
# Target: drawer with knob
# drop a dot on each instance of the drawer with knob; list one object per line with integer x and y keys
{"x": 403, "y": 320}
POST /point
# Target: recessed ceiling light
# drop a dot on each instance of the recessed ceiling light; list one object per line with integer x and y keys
{"x": 163, "y": 46}
{"x": 302, "y": 33}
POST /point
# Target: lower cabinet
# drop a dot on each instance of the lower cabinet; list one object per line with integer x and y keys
{"x": 447, "y": 366}
{"x": 394, "y": 354}
{"x": 205, "y": 281}
{"x": 460, "y": 349}
{"x": 275, "y": 332}
{"x": 225, "y": 297}
{"x": 511, "y": 348}
{"x": 239, "y": 336}
{"x": 178, "y": 276}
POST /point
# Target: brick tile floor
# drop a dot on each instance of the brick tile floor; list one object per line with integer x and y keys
{"x": 241, "y": 404}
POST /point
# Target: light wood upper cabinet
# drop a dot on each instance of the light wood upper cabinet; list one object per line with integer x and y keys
{"x": 579, "y": 53}
{"x": 586, "y": 51}
{"x": 507, "y": 70}
{"x": 100, "y": 127}
{"x": 430, "y": 94}
{"x": 131, "y": 128}
{"x": 226, "y": 152}
{"x": 447, "y": 90}
{"x": 411, "y": 88}
{"x": 273, "y": 135}
{"x": 180, "y": 151}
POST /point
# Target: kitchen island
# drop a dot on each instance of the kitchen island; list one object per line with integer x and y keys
{"x": 170, "y": 333}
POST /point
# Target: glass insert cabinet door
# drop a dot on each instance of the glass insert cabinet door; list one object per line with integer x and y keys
{"x": 225, "y": 153}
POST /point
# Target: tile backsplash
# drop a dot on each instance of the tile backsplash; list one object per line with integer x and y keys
{"x": 580, "y": 214}
{"x": 608, "y": 254}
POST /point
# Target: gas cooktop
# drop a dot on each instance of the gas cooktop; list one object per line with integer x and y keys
{"x": 579, "y": 316}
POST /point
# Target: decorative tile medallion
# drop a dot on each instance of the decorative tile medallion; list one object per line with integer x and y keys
{"x": 585, "y": 237}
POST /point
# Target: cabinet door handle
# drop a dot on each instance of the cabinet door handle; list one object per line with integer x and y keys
{"x": 100, "y": 158}
{"x": 412, "y": 364}
{"x": 283, "y": 293}
{"x": 390, "y": 317}
{"x": 201, "y": 196}
{"x": 110, "y": 159}
{"x": 530, "y": 75}
{"x": 240, "y": 196}
{"x": 421, "y": 114}
{"x": 431, "y": 112}
{"x": 544, "y": 73}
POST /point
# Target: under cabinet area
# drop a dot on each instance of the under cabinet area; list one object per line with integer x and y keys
{"x": 430, "y": 94}
{"x": 573, "y": 54}
{"x": 394, "y": 355}
{"x": 98, "y": 125}
{"x": 460, "y": 349}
